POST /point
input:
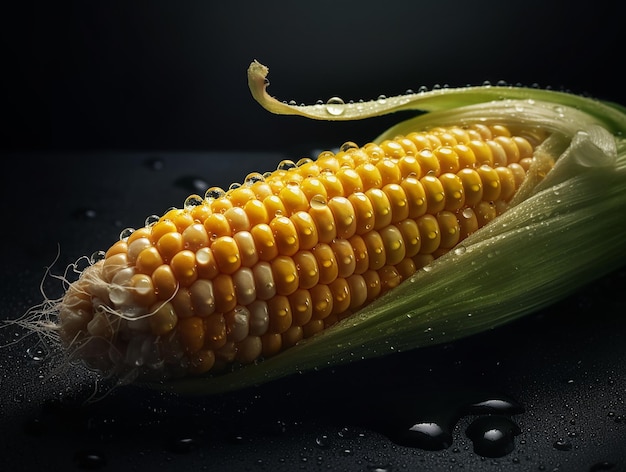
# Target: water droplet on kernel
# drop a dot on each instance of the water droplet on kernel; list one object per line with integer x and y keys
{"x": 126, "y": 232}
{"x": 318, "y": 202}
{"x": 96, "y": 256}
{"x": 193, "y": 201}
{"x": 214, "y": 193}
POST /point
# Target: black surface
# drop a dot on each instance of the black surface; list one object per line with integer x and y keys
{"x": 562, "y": 371}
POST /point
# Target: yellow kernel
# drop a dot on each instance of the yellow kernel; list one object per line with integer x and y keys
{"x": 372, "y": 283}
{"x": 224, "y": 291}
{"x": 306, "y": 229}
{"x": 280, "y": 314}
{"x": 294, "y": 199}
{"x": 217, "y": 225}
{"x": 181, "y": 302}
{"x": 344, "y": 257}
{"x": 308, "y": 273}
{"x": 392, "y": 149}
{"x": 247, "y": 249}
{"x": 341, "y": 295}
{"x": 415, "y": 196}
{"x": 453, "y": 191}
{"x": 370, "y": 176}
{"x": 430, "y": 235}
{"x": 257, "y": 213}
{"x": 448, "y": 159}
{"x": 350, "y": 180}
{"x": 183, "y": 267}
{"x": 389, "y": 171}
{"x": 449, "y": 229}
{"x": 191, "y": 333}
{"x": 321, "y": 301}
{"x": 301, "y": 307}
{"x": 206, "y": 263}
{"x": 435, "y": 196}
{"x": 169, "y": 245}
{"x": 285, "y": 235}
{"x": 468, "y": 223}
{"x": 507, "y": 182}
{"x": 274, "y": 206}
{"x": 409, "y": 166}
{"x": 324, "y": 221}
{"x": 161, "y": 228}
{"x": 482, "y": 152}
{"x": 313, "y": 186}
{"x": 472, "y": 186}
{"x": 398, "y": 202}
{"x": 381, "y": 206}
{"x": 393, "y": 243}
{"x": 195, "y": 237}
{"x": 498, "y": 153}
{"x": 285, "y": 275}
{"x": 326, "y": 263}
{"x": 358, "y": 291}
{"x": 163, "y": 318}
{"x": 165, "y": 284}
{"x": 292, "y": 336}
{"x": 361, "y": 258}
{"x": 485, "y": 212}
{"x": 182, "y": 219}
{"x": 389, "y": 277}
{"x": 148, "y": 260}
{"x": 375, "y": 249}
{"x": 363, "y": 212}
{"x": 467, "y": 159}
{"x": 117, "y": 248}
{"x": 312, "y": 327}
{"x": 226, "y": 253}
{"x": 343, "y": 215}
{"x": 332, "y": 185}
{"x": 491, "y": 182}
{"x": 411, "y": 237}
{"x": 237, "y": 219}
{"x": 264, "y": 242}
{"x": 239, "y": 197}
{"x": 272, "y": 344}
{"x": 510, "y": 148}
{"x": 428, "y": 162}
{"x": 214, "y": 331}
{"x": 201, "y": 362}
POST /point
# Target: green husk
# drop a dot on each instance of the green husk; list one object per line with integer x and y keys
{"x": 561, "y": 232}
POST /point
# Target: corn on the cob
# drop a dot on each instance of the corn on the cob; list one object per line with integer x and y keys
{"x": 319, "y": 248}
{"x": 236, "y": 276}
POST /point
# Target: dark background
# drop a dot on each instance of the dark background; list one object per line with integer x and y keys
{"x": 113, "y": 111}
{"x": 172, "y": 75}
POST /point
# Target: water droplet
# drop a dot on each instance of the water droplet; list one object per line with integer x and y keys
{"x": 493, "y": 436}
{"x": 318, "y": 202}
{"x": 460, "y": 250}
{"x": 193, "y": 201}
{"x": 323, "y": 441}
{"x": 89, "y": 460}
{"x": 253, "y": 178}
{"x": 335, "y": 106}
{"x": 126, "y": 232}
{"x": 97, "y": 256}
{"x": 37, "y": 353}
{"x": 428, "y": 436}
{"x": 214, "y": 193}
{"x": 382, "y": 99}
{"x": 151, "y": 220}
{"x": 348, "y": 145}
{"x": 562, "y": 445}
{"x": 286, "y": 165}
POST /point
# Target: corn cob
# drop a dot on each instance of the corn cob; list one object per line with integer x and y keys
{"x": 310, "y": 258}
{"x": 236, "y": 276}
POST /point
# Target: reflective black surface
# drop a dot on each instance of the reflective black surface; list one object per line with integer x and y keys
{"x": 544, "y": 393}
